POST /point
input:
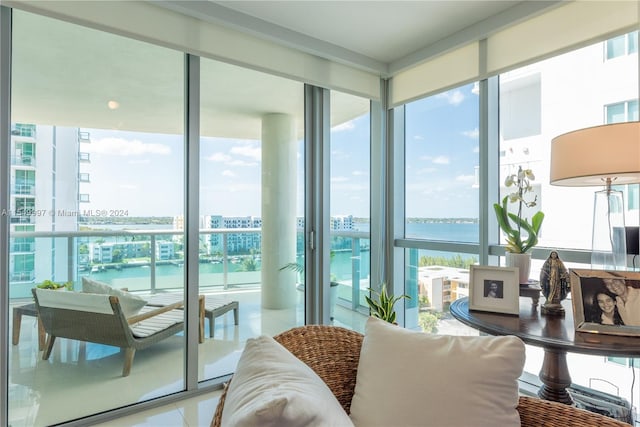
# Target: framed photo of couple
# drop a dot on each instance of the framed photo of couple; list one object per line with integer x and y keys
{"x": 494, "y": 289}
{"x": 606, "y": 302}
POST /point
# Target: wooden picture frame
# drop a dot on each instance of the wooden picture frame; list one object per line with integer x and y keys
{"x": 593, "y": 292}
{"x": 494, "y": 289}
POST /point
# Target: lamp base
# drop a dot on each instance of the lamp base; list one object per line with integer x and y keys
{"x": 609, "y": 249}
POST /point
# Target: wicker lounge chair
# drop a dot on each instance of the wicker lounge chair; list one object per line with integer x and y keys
{"x": 333, "y": 353}
{"x": 99, "y": 318}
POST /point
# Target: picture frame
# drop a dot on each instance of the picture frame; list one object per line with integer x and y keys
{"x": 594, "y": 292}
{"x": 494, "y": 289}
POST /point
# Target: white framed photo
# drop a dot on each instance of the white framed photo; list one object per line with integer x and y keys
{"x": 494, "y": 289}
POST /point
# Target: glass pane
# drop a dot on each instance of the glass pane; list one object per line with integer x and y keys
{"x": 252, "y": 165}
{"x": 632, "y": 40}
{"x": 108, "y": 109}
{"x": 350, "y": 207}
{"x": 433, "y": 280}
{"x": 441, "y": 162}
{"x": 559, "y": 95}
{"x": 615, "y": 47}
{"x": 616, "y": 113}
{"x": 563, "y": 103}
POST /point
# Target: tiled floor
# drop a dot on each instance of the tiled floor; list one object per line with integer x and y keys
{"x": 195, "y": 412}
{"x": 82, "y": 379}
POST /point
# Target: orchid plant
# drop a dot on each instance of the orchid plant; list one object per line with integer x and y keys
{"x": 521, "y": 234}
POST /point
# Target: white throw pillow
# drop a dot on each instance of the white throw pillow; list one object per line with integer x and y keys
{"x": 409, "y": 378}
{"x": 130, "y": 304}
{"x": 272, "y": 387}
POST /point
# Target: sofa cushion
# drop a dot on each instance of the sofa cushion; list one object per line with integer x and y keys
{"x": 409, "y": 378}
{"x": 130, "y": 304}
{"x": 272, "y": 387}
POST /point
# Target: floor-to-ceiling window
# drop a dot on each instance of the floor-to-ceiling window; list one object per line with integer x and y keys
{"x": 441, "y": 202}
{"x": 97, "y": 173}
{"x": 250, "y": 249}
{"x": 350, "y": 208}
{"x": 587, "y": 87}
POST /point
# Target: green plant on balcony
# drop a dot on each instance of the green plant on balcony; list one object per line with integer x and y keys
{"x": 48, "y": 284}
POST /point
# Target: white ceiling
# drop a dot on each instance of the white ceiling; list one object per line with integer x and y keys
{"x": 384, "y": 36}
{"x": 66, "y": 74}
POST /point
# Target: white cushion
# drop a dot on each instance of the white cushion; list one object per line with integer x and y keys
{"x": 272, "y": 387}
{"x": 130, "y": 304}
{"x": 409, "y": 378}
{"x": 78, "y": 301}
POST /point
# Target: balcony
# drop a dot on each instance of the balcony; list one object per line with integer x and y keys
{"x": 24, "y": 189}
{"x": 23, "y": 160}
{"x": 76, "y": 365}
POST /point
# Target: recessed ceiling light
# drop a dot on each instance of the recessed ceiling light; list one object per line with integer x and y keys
{"x": 113, "y": 105}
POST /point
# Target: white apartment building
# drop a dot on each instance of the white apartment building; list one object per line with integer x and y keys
{"x": 45, "y": 196}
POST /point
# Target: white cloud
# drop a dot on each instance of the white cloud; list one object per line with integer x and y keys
{"x": 466, "y": 178}
{"x": 339, "y": 179}
{"x": 418, "y": 137}
{"x": 453, "y": 97}
{"x": 476, "y": 149}
{"x": 228, "y": 173}
{"x": 476, "y": 89}
{"x": 139, "y": 162}
{"x": 426, "y": 171}
{"x": 241, "y": 163}
{"x": 359, "y": 173}
{"x": 344, "y": 126}
{"x": 219, "y": 157}
{"x": 124, "y": 147}
{"x": 441, "y": 160}
{"x": 472, "y": 133}
{"x": 254, "y": 153}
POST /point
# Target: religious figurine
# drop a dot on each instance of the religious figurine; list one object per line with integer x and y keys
{"x": 554, "y": 281}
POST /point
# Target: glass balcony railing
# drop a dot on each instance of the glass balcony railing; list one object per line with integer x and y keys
{"x": 23, "y": 160}
{"x": 150, "y": 261}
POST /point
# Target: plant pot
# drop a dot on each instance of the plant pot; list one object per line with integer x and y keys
{"x": 522, "y": 262}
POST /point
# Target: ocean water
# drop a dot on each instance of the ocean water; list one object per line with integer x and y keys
{"x": 343, "y": 263}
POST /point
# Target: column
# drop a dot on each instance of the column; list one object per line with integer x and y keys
{"x": 278, "y": 210}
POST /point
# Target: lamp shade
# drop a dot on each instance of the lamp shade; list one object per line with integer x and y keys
{"x": 589, "y": 156}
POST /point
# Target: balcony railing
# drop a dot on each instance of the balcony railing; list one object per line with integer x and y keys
{"x": 220, "y": 266}
{"x": 24, "y": 189}
{"x": 23, "y": 160}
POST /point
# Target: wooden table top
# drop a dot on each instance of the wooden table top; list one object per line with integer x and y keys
{"x": 545, "y": 331}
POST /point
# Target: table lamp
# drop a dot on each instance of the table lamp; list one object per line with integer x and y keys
{"x": 601, "y": 155}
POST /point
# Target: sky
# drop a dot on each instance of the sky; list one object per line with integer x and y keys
{"x": 143, "y": 173}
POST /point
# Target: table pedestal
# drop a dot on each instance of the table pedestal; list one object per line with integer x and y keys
{"x": 555, "y": 377}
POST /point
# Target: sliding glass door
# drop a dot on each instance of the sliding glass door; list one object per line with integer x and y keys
{"x": 96, "y": 188}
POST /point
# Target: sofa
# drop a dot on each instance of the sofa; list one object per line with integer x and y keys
{"x": 334, "y": 355}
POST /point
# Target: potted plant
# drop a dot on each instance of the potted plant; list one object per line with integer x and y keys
{"x": 333, "y": 292}
{"x": 521, "y": 234}
{"x": 383, "y": 306}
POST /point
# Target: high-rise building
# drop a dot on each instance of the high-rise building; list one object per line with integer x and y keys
{"x": 45, "y": 196}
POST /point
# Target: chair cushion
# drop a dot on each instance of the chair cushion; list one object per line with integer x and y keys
{"x": 409, "y": 378}
{"x": 272, "y": 387}
{"x": 130, "y": 304}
